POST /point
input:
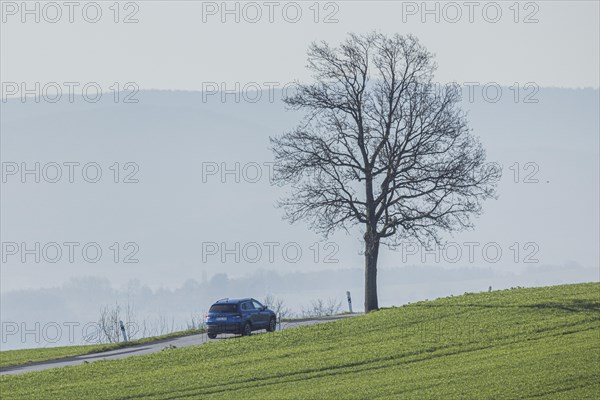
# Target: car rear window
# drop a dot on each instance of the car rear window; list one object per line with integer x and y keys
{"x": 223, "y": 308}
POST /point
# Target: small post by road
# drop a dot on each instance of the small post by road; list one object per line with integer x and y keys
{"x": 349, "y": 301}
{"x": 123, "y": 331}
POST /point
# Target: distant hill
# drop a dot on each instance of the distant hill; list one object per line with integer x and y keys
{"x": 172, "y": 137}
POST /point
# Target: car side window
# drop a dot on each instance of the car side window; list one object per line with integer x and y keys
{"x": 257, "y": 305}
{"x": 247, "y": 306}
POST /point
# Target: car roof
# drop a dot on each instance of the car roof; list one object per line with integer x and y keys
{"x": 233, "y": 301}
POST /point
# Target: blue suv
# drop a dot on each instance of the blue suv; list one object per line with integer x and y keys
{"x": 239, "y": 316}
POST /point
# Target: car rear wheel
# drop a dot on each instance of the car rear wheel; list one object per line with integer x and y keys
{"x": 212, "y": 335}
{"x": 272, "y": 325}
{"x": 247, "y": 331}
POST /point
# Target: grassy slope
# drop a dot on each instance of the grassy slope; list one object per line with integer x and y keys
{"x": 542, "y": 343}
{"x": 25, "y": 356}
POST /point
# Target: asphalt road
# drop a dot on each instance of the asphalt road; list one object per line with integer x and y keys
{"x": 148, "y": 348}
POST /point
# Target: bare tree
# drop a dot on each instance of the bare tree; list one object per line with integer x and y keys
{"x": 196, "y": 321}
{"x": 381, "y": 146}
{"x": 108, "y": 326}
{"x": 277, "y": 305}
{"x": 320, "y": 308}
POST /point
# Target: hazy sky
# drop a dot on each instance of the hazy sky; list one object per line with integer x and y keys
{"x": 181, "y": 44}
{"x": 187, "y": 45}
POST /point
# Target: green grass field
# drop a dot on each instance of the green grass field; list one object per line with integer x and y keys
{"x": 25, "y": 356}
{"x": 541, "y": 343}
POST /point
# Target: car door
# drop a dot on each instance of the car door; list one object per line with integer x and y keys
{"x": 251, "y": 313}
{"x": 262, "y": 312}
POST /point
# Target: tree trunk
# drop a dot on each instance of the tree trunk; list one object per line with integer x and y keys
{"x": 371, "y": 253}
